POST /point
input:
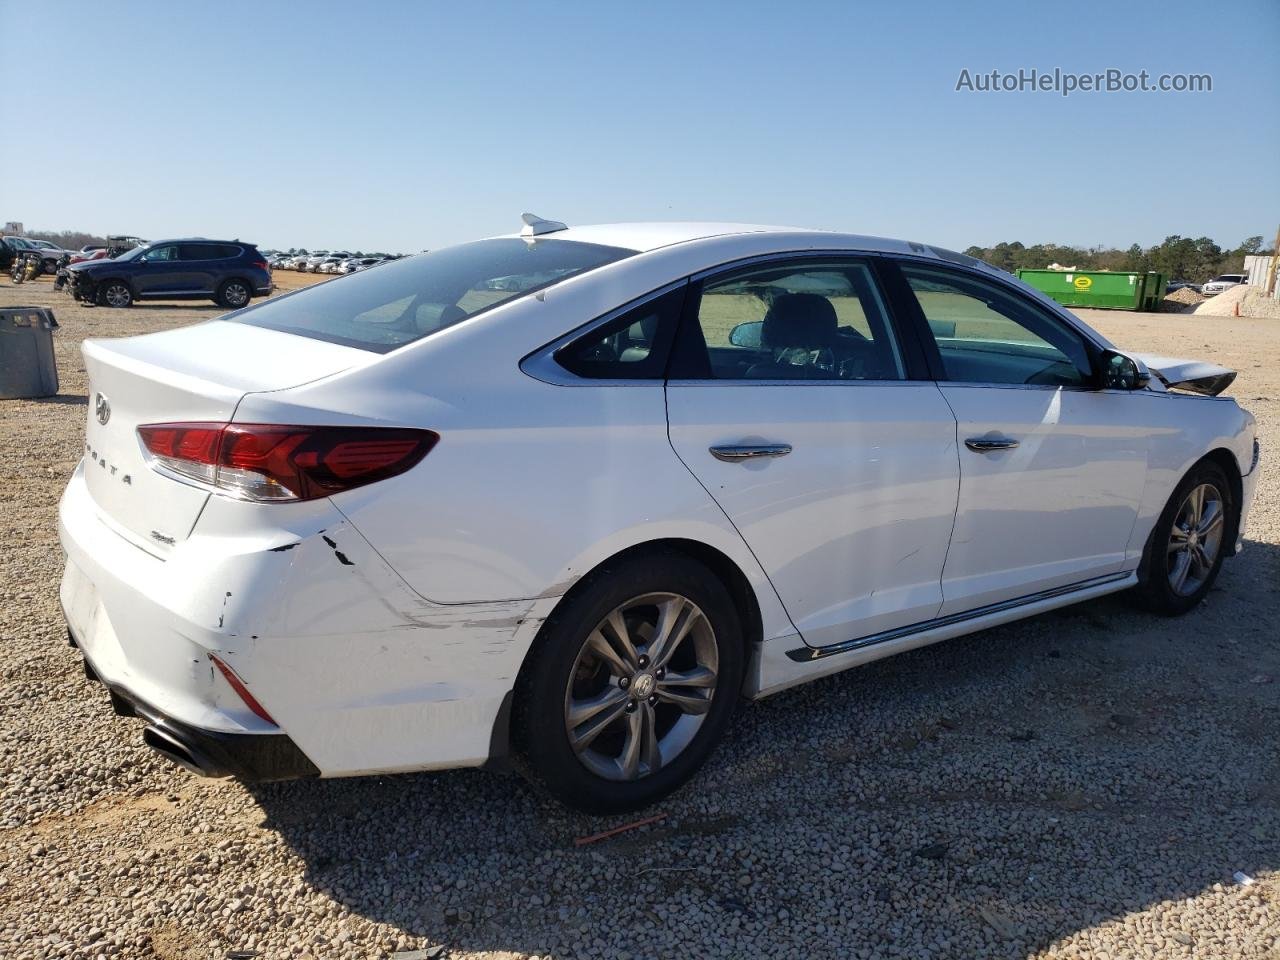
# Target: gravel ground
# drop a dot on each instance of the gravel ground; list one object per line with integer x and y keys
{"x": 1083, "y": 784}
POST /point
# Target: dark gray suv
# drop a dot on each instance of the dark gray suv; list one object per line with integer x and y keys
{"x": 229, "y": 272}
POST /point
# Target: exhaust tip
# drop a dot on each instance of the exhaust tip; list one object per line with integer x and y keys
{"x": 171, "y": 748}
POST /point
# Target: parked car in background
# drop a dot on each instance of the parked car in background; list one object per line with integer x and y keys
{"x": 665, "y": 467}
{"x": 229, "y": 272}
{"x": 1223, "y": 282}
{"x": 50, "y": 247}
{"x": 48, "y": 253}
{"x": 356, "y": 264}
{"x": 1174, "y": 285}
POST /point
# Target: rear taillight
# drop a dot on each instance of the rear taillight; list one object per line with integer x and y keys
{"x": 267, "y": 462}
{"x": 262, "y": 265}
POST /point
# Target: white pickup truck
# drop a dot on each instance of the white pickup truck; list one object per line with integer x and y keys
{"x": 1224, "y": 282}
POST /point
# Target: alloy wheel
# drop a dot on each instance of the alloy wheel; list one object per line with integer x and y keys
{"x": 641, "y": 686}
{"x": 117, "y": 295}
{"x": 1195, "y": 539}
{"x": 236, "y": 295}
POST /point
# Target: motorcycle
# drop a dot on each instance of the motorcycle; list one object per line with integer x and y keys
{"x": 25, "y": 268}
{"x": 61, "y": 277}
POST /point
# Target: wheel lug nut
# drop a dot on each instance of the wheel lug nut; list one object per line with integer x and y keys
{"x": 624, "y": 682}
{"x": 653, "y": 700}
{"x": 659, "y": 673}
{"x": 630, "y": 707}
{"x": 644, "y": 661}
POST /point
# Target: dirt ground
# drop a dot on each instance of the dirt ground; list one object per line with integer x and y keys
{"x": 1083, "y": 784}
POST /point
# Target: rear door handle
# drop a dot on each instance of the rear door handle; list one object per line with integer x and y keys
{"x": 736, "y": 454}
{"x": 988, "y": 444}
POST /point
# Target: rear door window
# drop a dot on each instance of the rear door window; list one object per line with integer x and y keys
{"x": 409, "y": 299}
{"x": 800, "y": 320}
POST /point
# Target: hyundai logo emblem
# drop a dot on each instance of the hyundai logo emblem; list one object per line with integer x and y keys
{"x": 101, "y": 408}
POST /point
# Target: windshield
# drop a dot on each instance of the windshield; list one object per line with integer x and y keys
{"x": 135, "y": 253}
{"x": 409, "y": 299}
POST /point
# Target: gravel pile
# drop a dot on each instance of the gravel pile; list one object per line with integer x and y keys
{"x": 1245, "y": 300}
{"x": 1083, "y": 785}
{"x": 1182, "y": 300}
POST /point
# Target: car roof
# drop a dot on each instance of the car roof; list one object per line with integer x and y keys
{"x": 652, "y": 235}
{"x": 156, "y": 243}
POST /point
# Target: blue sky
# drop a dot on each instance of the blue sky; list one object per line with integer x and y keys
{"x": 397, "y": 125}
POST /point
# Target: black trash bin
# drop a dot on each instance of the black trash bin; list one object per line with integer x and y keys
{"x": 27, "y": 366}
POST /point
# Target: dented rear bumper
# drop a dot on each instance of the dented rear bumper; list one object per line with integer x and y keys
{"x": 252, "y": 757}
{"x": 358, "y": 672}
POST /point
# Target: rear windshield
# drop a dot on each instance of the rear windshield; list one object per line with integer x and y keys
{"x": 405, "y": 301}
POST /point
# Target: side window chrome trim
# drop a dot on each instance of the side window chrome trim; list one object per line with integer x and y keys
{"x": 1074, "y": 388}
{"x": 834, "y": 382}
{"x": 815, "y": 253}
{"x": 542, "y": 365}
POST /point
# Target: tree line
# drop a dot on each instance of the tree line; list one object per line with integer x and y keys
{"x": 68, "y": 239}
{"x": 1178, "y": 258}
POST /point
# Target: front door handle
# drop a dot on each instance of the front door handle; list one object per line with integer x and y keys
{"x": 736, "y": 454}
{"x": 988, "y": 444}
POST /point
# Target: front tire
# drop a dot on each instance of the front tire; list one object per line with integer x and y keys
{"x": 116, "y": 293}
{"x": 631, "y": 686}
{"x": 1188, "y": 543}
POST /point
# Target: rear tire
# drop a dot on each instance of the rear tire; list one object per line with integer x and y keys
{"x": 115, "y": 293}
{"x": 234, "y": 294}
{"x": 1188, "y": 543}
{"x": 605, "y": 723}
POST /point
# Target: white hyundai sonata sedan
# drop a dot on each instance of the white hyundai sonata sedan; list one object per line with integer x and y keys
{"x": 562, "y": 498}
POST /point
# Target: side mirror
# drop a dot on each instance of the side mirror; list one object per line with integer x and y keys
{"x": 747, "y": 334}
{"x": 1120, "y": 372}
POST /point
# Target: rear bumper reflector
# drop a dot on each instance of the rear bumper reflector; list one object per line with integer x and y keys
{"x": 254, "y": 757}
{"x": 242, "y": 691}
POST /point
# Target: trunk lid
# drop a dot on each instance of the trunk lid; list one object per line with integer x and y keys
{"x": 196, "y": 373}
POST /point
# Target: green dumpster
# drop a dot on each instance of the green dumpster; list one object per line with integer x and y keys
{"x": 1154, "y": 292}
{"x": 1098, "y": 289}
